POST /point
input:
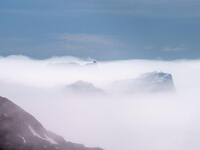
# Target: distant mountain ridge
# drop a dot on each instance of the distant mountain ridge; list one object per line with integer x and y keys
{"x": 83, "y": 87}
{"x": 19, "y": 130}
{"x": 149, "y": 82}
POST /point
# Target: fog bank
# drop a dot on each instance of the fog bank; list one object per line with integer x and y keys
{"x": 108, "y": 119}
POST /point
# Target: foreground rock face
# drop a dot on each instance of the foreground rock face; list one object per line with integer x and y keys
{"x": 21, "y": 131}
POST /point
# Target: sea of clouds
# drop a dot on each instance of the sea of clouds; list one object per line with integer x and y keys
{"x": 111, "y": 120}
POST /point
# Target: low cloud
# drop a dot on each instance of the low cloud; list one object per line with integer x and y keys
{"x": 109, "y": 120}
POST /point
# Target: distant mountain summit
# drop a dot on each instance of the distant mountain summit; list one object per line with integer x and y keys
{"x": 148, "y": 83}
{"x": 155, "y": 82}
{"x": 83, "y": 87}
{"x": 21, "y": 131}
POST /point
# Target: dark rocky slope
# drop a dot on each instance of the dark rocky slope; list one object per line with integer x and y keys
{"x": 21, "y": 131}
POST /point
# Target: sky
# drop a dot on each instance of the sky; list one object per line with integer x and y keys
{"x": 101, "y": 29}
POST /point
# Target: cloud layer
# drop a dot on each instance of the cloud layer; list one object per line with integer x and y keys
{"x": 109, "y": 120}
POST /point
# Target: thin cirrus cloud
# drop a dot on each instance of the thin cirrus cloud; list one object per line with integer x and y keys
{"x": 143, "y": 10}
{"x": 87, "y": 38}
{"x": 87, "y": 43}
{"x": 170, "y": 8}
{"x": 74, "y": 44}
{"x": 173, "y": 49}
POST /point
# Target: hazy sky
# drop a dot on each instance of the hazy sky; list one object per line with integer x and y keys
{"x": 101, "y": 29}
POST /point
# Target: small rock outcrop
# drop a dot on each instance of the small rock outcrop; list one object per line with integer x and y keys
{"x": 83, "y": 87}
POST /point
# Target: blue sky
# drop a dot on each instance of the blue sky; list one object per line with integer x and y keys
{"x": 101, "y": 29}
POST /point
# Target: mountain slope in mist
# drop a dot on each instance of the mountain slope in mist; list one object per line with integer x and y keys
{"x": 147, "y": 82}
{"x": 21, "y": 131}
{"x": 83, "y": 87}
